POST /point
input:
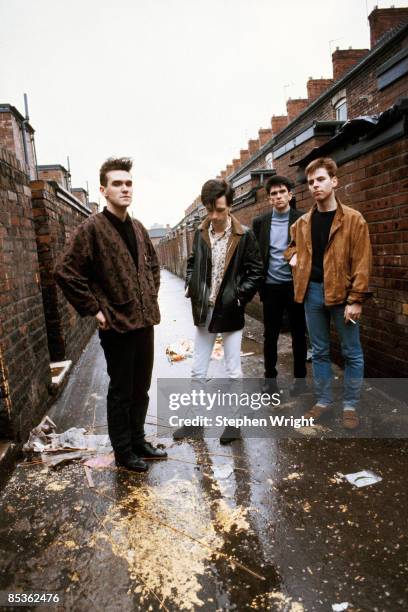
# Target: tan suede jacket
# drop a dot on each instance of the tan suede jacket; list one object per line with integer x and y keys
{"x": 346, "y": 262}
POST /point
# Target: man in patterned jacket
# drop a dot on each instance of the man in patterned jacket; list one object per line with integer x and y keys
{"x": 110, "y": 271}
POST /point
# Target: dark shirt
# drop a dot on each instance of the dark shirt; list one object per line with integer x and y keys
{"x": 126, "y": 231}
{"x": 321, "y": 224}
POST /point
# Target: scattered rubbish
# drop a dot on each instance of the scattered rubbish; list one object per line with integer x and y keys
{"x": 363, "y": 478}
{"x": 179, "y": 350}
{"x": 247, "y": 354}
{"x": 340, "y": 607}
{"x": 77, "y": 438}
{"x": 337, "y": 478}
{"x": 229, "y": 519}
{"x": 54, "y": 459}
{"x": 38, "y": 439}
{"x": 70, "y": 445}
{"x": 222, "y": 472}
{"x": 89, "y": 478}
{"x": 312, "y": 430}
{"x": 57, "y": 486}
{"x": 99, "y": 461}
{"x": 218, "y": 350}
{"x": 293, "y": 476}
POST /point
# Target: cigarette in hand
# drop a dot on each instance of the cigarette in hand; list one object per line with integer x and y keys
{"x": 353, "y": 321}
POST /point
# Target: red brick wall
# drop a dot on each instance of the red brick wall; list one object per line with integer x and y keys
{"x": 59, "y": 176}
{"x": 24, "y": 357}
{"x": 11, "y": 138}
{"x": 344, "y": 59}
{"x": 315, "y": 87}
{"x": 384, "y": 20}
{"x": 55, "y": 220}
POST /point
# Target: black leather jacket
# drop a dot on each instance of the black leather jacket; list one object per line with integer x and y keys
{"x": 242, "y": 276}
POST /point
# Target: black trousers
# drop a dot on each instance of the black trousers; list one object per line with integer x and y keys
{"x": 129, "y": 360}
{"x": 276, "y": 299}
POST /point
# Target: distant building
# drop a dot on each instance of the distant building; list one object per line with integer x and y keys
{"x": 81, "y": 194}
{"x": 156, "y": 232}
{"x": 17, "y": 136}
{"x": 57, "y": 173}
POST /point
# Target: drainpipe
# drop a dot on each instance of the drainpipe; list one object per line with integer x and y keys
{"x": 25, "y": 144}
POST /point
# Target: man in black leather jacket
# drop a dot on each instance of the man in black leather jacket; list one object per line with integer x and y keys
{"x": 224, "y": 271}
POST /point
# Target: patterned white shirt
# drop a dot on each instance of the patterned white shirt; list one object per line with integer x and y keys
{"x": 219, "y": 243}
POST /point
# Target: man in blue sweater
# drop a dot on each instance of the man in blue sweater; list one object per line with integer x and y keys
{"x": 272, "y": 231}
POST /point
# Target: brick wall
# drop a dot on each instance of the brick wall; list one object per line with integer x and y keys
{"x": 13, "y": 130}
{"x": 24, "y": 357}
{"x": 56, "y": 214}
{"x": 383, "y": 20}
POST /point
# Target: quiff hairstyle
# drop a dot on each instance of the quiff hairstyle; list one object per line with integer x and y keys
{"x": 322, "y": 162}
{"x": 114, "y": 163}
{"x": 214, "y": 189}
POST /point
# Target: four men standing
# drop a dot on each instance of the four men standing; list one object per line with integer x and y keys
{"x": 110, "y": 271}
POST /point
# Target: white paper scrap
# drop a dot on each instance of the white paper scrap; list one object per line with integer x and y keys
{"x": 363, "y": 478}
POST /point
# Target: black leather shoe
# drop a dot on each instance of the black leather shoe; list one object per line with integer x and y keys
{"x": 148, "y": 451}
{"x": 230, "y": 434}
{"x": 270, "y": 386}
{"x": 132, "y": 462}
{"x": 299, "y": 387}
{"x": 188, "y": 431}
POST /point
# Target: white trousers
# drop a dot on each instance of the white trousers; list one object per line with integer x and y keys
{"x": 203, "y": 346}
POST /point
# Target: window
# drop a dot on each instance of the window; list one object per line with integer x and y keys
{"x": 341, "y": 110}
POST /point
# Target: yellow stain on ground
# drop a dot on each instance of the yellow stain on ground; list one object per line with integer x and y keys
{"x": 161, "y": 561}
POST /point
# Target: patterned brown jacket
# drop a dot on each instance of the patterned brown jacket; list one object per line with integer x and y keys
{"x": 96, "y": 272}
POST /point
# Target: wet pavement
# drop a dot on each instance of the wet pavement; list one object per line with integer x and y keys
{"x": 261, "y": 524}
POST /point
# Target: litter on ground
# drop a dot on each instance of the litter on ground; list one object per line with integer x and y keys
{"x": 363, "y": 478}
{"x": 178, "y": 351}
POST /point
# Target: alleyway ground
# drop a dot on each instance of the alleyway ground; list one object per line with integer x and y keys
{"x": 303, "y": 539}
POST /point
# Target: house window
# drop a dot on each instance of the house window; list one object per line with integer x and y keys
{"x": 341, "y": 110}
{"x": 269, "y": 161}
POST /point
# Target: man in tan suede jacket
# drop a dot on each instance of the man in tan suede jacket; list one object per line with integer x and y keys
{"x": 330, "y": 255}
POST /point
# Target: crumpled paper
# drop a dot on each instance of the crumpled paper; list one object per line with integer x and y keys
{"x": 58, "y": 448}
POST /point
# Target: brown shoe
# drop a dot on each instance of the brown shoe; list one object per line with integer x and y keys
{"x": 317, "y": 411}
{"x": 350, "y": 419}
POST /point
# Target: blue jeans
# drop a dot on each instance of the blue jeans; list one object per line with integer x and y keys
{"x": 318, "y": 322}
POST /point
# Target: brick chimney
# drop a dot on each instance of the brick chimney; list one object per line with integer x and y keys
{"x": 384, "y": 20}
{"x": 244, "y": 155}
{"x": 278, "y": 123}
{"x": 295, "y": 107}
{"x": 315, "y": 87}
{"x": 229, "y": 169}
{"x": 236, "y": 163}
{"x": 264, "y": 134}
{"x": 253, "y": 146}
{"x": 16, "y": 135}
{"x": 223, "y": 174}
{"x": 344, "y": 59}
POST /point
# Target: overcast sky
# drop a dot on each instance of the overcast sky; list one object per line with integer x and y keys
{"x": 178, "y": 85}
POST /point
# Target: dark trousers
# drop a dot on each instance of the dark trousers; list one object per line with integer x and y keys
{"x": 276, "y": 299}
{"x": 129, "y": 360}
